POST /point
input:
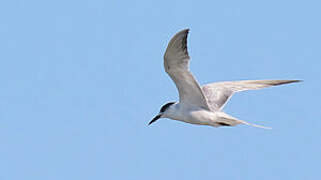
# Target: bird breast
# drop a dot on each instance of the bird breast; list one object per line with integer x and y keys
{"x": 193, "y": 115}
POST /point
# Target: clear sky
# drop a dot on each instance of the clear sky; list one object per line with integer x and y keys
{"x": 81, "y": 79}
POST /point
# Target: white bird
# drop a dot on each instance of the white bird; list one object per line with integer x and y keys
{"x": 197, "y": 104}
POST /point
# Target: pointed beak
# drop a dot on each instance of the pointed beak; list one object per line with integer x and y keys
{"x": 155, "y": 119}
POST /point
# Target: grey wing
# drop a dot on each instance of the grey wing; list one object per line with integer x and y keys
{"x": 176, "y": 64}
{"x": 218, "y": 93}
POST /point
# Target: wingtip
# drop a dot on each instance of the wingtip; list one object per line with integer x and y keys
{"x": 186, "y": 30}
{"x": 293, "y": 81}
{"x": 281, "y": 82}
{"x": 297, "y": 80}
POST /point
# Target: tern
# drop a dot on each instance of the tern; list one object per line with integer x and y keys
{"x": 202, "y": 105}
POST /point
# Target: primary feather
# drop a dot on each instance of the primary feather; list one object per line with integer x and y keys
{"x": 218, "y": 93}
{"x": 176, "y": 64}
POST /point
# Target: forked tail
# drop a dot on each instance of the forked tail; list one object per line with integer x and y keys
{"x": 227, "y": 120}
{"x": 254, "y": 125}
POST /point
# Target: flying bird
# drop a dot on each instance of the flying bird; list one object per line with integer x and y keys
{"x": 197, "y": 104}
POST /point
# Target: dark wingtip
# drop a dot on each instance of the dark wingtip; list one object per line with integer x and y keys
{"x": 281, "y": 82}
{"x": 294, "y": 81}
{"x": 298, "y": 80}
{"x": 185, "y": 31}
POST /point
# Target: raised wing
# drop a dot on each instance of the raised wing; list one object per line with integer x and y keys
{"x": 218, "y": 93}
{"x": 176, "y": 63}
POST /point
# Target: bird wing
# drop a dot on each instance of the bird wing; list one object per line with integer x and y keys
{"x": 218, "y": 93}
{"x": 176, "y": 63}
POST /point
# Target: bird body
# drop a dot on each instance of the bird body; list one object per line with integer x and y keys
{"x": 197, "y": 104}
{"x": 189, "y": 114}
{"x": 197, "y": 115}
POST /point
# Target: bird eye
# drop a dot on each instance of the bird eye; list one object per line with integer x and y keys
{"x": 163, "y": 109}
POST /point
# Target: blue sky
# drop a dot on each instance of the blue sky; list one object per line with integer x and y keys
{"x": 80, "y": 80}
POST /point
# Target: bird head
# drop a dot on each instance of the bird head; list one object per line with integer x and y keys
{"x": 162, "y": 112}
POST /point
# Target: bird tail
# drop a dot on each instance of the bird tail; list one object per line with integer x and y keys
{"x": 255, "y": 125}
{"x": 227, "y": 120}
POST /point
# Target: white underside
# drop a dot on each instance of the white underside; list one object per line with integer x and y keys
{"x": 200, "y": 116}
